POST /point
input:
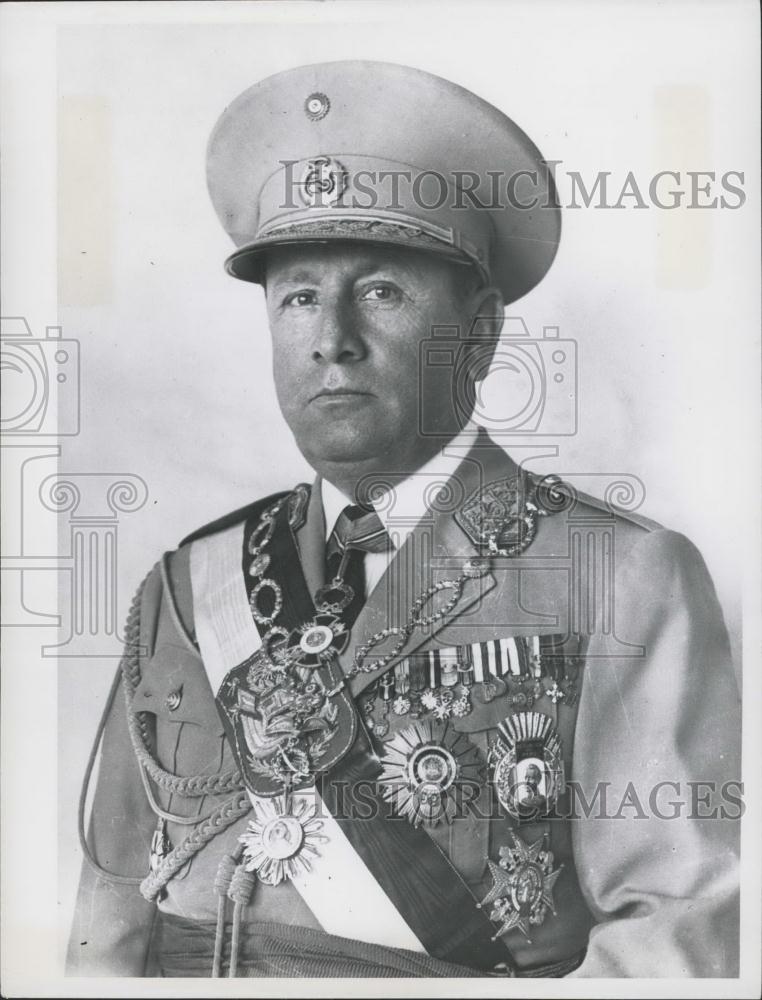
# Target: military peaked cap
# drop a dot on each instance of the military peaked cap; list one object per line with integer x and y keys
{"x": 386, "y": 154}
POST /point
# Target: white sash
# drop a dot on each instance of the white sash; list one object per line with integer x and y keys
{"x": 225, "y": 630}
{"x": 340, "y": 890}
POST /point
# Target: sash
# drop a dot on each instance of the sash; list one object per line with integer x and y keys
{"x": 378, "y": 878}
{"x": 225, "y": 630}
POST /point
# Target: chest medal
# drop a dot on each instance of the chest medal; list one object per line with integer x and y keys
{"x": 522, "y": 889}
{"x": 527, "y": 769}
{"x": 429, "y": 770}
{"x": 281, "y": 841}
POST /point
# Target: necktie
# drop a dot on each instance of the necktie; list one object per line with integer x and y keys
{"x": 357, "y": 531}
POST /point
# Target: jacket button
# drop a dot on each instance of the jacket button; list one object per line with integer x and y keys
{"x": 173, "y": 699}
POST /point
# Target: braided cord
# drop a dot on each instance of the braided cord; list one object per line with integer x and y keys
{"x": 191, "y": 786}
{"x": 223, "y": 816}
{"x": 103, "y": 873}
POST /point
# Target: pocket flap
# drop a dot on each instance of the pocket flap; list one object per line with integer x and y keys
{"x": 175, "y": 688}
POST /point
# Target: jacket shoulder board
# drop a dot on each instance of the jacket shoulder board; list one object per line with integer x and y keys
{"x": 615, "y": 510}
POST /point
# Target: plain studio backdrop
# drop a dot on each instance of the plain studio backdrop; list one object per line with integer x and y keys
{"x": 175, "y": 358}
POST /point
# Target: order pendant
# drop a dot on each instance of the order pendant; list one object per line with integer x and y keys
{"x": 317, "y": 642}
{"x": 430, "y": 772}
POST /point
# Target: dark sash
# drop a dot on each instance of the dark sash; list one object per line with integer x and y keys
{"x": 414, "y": 873}
{"x": 409, "y": 866}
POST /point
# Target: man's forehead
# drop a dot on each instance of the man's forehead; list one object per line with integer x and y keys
{"x": 302, "y": 262}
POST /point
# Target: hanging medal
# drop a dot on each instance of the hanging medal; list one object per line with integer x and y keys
{"x": 426, "y": 766}
{"x": 282, "y": 840}
{"x": 527, "y": 769}
{"x": 317, "y": 642}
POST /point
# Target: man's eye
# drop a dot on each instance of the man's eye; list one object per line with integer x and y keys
{"x": 300, "y": 299}
{"x": 380, "y": 293}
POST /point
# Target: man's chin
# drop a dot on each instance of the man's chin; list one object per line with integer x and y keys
{"x": 347, "y": 446}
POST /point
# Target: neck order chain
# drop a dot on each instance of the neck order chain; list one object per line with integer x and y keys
{"x": 318, "y": 641}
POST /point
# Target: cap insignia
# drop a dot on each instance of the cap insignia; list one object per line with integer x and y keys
{"x": 323, "y": 182}
{"x": 317, "y": 106}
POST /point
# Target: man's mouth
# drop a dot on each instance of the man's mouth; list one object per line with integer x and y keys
{"x": 339, "y": 394}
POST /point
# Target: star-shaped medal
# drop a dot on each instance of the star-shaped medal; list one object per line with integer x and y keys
{"x": 501, "y": 885}
{"x": 522, "y": 886}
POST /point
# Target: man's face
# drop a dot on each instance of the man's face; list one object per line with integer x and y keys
{"x": 533, "y": 775}
{"x": 346, "y": 324}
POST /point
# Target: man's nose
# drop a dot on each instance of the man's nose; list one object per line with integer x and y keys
{"x": 338, "y": 340}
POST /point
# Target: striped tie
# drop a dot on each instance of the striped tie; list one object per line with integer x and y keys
{"x": 357, "y": 530}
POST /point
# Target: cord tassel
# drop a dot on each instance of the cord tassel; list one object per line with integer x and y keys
{"x": 222, "y": 880}
{"x": 219, "y": 935}
{"x": 241, "y": 890}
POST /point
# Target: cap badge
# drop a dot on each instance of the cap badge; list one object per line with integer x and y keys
{"x": 317, "y": 106}
{"x": 323, "y": 182}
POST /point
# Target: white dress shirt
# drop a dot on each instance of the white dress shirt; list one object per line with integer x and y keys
{"x": 400, "y": 509}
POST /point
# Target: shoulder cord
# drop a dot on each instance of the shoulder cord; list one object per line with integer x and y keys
{"x": 85, "y": 847}
{"x": 193, "y": 786}
{"x": 223, "y": 816}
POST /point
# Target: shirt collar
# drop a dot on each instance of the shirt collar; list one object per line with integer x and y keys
{"x": 400, "y": 510}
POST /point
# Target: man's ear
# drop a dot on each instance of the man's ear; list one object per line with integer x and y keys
{"x": 486, "y": 311}
{"x": 488, "y": 308}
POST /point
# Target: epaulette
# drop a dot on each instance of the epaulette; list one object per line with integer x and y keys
{"x": 235, "y": 517}
{"x": 610, "y": 506}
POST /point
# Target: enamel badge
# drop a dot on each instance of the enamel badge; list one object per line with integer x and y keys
{"x": 501, "y": 516}
{"x": 527, "y": 769}
{"x": 425, "y": 768}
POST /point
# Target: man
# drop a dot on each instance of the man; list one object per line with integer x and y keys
{"x": 530, "y": 796}
{"x": 328, "y": 695}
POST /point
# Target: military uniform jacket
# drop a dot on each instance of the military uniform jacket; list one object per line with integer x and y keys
{"x": 639, "y": 697}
